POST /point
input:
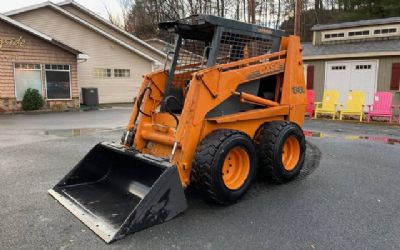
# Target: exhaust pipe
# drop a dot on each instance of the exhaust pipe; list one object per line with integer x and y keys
{"x": 116, "y": 192}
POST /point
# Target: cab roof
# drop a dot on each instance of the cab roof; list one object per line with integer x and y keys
{"x": 201, "y": 27}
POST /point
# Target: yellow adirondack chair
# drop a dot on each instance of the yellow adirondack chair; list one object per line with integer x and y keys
{"x": 328, "y": 104}
{"x": 354, "y": 105}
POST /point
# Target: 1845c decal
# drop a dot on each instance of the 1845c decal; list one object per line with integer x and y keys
{"x": 298, "y": 90}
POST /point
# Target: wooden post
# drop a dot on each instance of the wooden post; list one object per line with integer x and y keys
{"x": 297, "y": 18}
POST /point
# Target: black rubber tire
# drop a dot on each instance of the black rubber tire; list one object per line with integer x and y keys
{"x": 208, "y": 161}
{"x": 269, "y": 141}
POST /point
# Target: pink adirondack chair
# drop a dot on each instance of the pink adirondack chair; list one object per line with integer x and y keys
{"x": 310, "y": 102}
{"x": 382, "y": 106}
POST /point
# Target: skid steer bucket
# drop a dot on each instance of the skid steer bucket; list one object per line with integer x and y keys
{"x": 116, "y": 192}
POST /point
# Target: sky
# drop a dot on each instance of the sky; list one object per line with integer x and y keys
{"x": 97, "y": 6}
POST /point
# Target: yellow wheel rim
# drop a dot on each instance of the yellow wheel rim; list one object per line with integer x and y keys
{"x": 236, "y": 168}
{"x": 290, "y": 153}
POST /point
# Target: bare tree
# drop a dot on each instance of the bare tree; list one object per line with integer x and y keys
{"x": 112, "y": 18}
{"x": 142, "y": 16}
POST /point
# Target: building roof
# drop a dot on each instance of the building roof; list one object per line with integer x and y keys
{"x": 201, "y": 27}
{"x": 41, "y": 35}
{"x": 360, "y": 23}
{"x": 159, "y": 44}
{"x": 83, "y": 22}
{"x": 360, "y": 49}
{"x": 106, "y": 22}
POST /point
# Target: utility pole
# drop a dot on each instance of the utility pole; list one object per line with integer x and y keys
{"x": 252, "y": 11}
{"x": 297, "y": 18}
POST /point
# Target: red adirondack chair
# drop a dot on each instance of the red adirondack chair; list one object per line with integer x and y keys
{"x": 310, "y": 102}
{"x": 382, "y": 106}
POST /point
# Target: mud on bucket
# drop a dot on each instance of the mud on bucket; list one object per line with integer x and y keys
{"x": 116, "y": 192}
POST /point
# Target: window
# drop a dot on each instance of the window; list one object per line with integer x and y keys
{"x": 359, "y": 33}
{"x": 385, "y": 31}
{"x": 361, "y": 67}
{"x": 102, "y": 73}
{"x": 27, "y": 66}
{"x": 57, "y": 67}
{"x": 341, "y": 67}
{"x": 333, "y": 35}
{"x": 122, "y": 73}
{"x": 58, "y": 82}
{"x": 27, "y": 76}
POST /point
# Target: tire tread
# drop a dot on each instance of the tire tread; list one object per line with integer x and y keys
{"x": 266, "y": 141}
{"x": 203, "y": 162}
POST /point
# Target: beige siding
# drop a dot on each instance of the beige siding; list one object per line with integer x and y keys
{"x": 34, "y": 51}
{"x": 103, "y": 53}
{"x": 318, "y": 37}
{"x": 385, "y": 72}
{"x": 385, "y": 76}
{"x": 114, "y": 32}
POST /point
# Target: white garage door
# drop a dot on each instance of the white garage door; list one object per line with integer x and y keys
{"x": 344, "y": 76}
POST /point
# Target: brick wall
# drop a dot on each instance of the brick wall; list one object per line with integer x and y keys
{"x": 33, "y": 51}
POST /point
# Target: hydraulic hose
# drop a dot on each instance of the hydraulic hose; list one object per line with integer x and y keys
{"x": 169, "y": 110}
{"x": 140, "y": 100}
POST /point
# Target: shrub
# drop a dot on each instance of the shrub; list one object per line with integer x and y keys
{"x": 32, "y": 100}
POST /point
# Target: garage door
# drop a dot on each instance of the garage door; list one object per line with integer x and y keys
{"x": 344, "y": 76}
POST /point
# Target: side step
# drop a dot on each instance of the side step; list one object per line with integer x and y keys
{"x": 116, "y": 192}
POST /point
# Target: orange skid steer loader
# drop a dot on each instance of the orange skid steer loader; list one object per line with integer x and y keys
{"x": 231, "y": 100}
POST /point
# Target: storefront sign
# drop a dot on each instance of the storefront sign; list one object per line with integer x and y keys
{"x": 13, "y": 58}
{"x": 12, "y": 42}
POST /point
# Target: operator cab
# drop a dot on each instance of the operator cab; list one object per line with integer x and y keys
{"x": 203, "y": 41}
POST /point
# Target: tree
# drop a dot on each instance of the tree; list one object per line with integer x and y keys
{"x": 141, "y": 17}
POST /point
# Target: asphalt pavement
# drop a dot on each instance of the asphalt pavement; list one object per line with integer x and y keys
{"x": 20, "y": 129}
{"x": 346, "y": 197}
